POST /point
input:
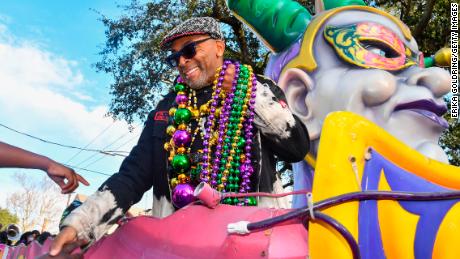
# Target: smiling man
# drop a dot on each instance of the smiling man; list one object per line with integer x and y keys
{"x": 221, "y": 125}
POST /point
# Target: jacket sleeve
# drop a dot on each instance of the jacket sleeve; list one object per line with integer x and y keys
{"x": 119, "y": 192}
{"x": 285, "y": 134}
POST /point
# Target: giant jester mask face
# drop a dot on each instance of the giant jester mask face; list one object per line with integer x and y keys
{"x": 365, "y": 61}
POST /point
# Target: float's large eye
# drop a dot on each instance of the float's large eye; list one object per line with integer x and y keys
{"x": 370, "y": 45}
{"x": 380, "y": 48}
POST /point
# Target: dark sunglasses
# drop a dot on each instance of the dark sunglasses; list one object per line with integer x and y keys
{"x": 188, "y": 51}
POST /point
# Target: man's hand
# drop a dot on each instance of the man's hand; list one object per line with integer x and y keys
{"x": 66, "y": 252}
{"x": 64, "y": 241}
{"x": 228, "y": 78}
{"x": 58, "y": 173}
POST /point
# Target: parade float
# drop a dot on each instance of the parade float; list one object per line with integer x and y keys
{"x": 375, "y": 184}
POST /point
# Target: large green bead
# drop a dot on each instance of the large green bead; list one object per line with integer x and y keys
{"x": 182, "y": 115}
{"x": 179, "y": 87}
{"x": 252, "y": 201}
{"x": 180, "y": 163}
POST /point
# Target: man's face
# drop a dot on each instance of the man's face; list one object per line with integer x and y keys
{"x": 378, "y": 79}
{"x": 199, "y": 71}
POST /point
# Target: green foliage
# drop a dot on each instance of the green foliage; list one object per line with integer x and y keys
{"x": 131, "y": 54}
{"x": 7, "y": 218}
{"x": 427, "y": 19}
{"x": 450, "y": 139}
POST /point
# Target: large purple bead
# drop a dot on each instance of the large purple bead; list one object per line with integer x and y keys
{"x": 181, "y": 99}
{"x": 182, "y": 195}
{"x": 182, "y": 138}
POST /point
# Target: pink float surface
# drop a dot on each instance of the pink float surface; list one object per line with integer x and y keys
{"x": 199, "y": 232}
{"x": 193, "y": 232}
{"x": 33, "y": 250}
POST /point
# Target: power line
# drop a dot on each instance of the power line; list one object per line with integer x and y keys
{"x": 102, "y": 157}
{"x": 87, "y": 170}
{"x": 98, "y": 135}
{"x": 104, "y": 152}
{"x": 109, "y": 145}
{"x": 93, "y": 155}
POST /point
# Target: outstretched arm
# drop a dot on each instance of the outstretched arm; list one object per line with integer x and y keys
{"x": 11, "y": 156}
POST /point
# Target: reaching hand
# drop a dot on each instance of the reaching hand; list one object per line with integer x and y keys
{"x": 66, "y": 251}
{"x": 58, "y": 173}
{"x": 65, "y": 240}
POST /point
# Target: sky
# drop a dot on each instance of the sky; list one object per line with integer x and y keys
{"x": 50, "y": 89}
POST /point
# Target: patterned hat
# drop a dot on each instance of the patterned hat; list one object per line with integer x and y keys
{"x": 193, "y": 26}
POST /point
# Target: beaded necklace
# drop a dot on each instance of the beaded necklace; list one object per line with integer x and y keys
{"x": 227, "y": 138}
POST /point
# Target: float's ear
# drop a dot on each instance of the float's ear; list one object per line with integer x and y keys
{"x": 298, "y": 86}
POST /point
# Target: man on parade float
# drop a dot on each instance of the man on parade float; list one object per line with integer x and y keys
{"x": 222, "y": 125}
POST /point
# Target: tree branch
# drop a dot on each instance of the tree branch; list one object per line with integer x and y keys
{"x": 408, "y": 8}
{"x": 424, "y": 19}
{"x": 241, "y": 39}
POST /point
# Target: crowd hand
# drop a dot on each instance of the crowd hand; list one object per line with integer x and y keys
{"x": 65, "y": 242}
{"x": 58, "y": 173}
{"x": 228, "y": 78}
{"x": 66, "y": 251}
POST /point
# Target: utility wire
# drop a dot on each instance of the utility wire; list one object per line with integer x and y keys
{"x": 93, "y": 155}
{"x": 122, "y": 145}
{"x": 87, "y": 170}
{"x": 104, "y": 152}
{"x": 107, "y": 146}
{"x": 91, "y": 142}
